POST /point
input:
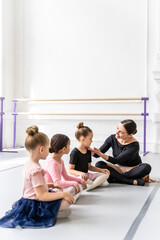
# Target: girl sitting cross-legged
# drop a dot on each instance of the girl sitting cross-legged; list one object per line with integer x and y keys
{"x": 39, "y": 206}
{"x": 80, "y": 160}
{"x": 56, "y": 172}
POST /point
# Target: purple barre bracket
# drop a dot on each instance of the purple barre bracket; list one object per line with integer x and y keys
{"x": 144, "y": 114}
{"x": 14, "y": 123}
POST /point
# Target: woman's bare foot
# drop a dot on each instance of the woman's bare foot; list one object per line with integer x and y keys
{"x": 149, "y": 180}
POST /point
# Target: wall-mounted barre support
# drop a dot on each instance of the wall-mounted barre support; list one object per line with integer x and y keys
{"x": 14, "y": 121}
{"x": 145, "y": 114}
{"x": 1, "y": 126}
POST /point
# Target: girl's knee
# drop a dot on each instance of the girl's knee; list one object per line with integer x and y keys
{"x": 64, "y": 204}
{"x": 100, "y": 173}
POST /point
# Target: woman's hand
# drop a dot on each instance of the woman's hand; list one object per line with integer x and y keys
{"x": 92, "y": 151}
{"x": 84, "y": 176}
{"x": 68, "y": 197}
{"x": 97, "y": 151}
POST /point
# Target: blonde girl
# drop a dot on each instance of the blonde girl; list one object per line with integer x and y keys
{"x": 39, "y": 205}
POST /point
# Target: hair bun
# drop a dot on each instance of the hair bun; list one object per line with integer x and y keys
{"x": 31, "y": 131}
{"x": 51, "y": 150}
{"x": 80, "y": 125}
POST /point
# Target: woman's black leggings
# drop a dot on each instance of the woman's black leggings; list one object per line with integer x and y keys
{"x": 128, "y": 177}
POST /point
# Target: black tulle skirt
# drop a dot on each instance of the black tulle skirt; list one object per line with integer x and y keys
{"x": 31, "y": 213}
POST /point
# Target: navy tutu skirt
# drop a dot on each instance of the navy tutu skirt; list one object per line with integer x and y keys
{"x": 31, "y": 213}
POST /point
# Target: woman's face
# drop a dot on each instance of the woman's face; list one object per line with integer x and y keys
{"x": 121, "y": 132}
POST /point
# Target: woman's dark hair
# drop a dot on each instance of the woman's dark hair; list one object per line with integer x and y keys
{"x": 58, "y": 141}
{"x": 82, "y": 131}
{"x": 130, "y": 126}
{"x": 35, "y": 138}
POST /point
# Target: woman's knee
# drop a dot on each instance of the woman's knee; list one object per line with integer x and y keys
{"x": 147, "y": 168}
{"x": 101, "y": 164}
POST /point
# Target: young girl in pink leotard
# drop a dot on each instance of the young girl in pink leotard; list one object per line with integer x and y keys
{"x": 56, "y": 172}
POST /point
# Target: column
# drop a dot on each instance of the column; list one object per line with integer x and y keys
{"x": 156, "y": 114}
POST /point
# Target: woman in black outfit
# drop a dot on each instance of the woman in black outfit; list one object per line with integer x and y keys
{"x": 126, "y": 164}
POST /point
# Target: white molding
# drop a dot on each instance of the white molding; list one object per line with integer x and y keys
{"x": 156, "y": 71}
{"x": 1, "y": 83}
{"x": 156, "y": 117}
{"x": 156, "y": 114}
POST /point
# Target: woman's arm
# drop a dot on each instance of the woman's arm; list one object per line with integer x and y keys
{"x": 123, "y": 157}
{"x": 126, "y": 156}
{"x": 42, "y": 195}
{"x": 106, "y": 157}
{"x": 100, "y": 154}
{"x": 104, "y": 148}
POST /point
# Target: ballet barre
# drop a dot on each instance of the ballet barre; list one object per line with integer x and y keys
{"x": 76, "y": 99}
{"x": 144, "y": 114}
{"x": 81, "y": 114}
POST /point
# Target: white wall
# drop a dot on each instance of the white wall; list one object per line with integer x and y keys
{"x": 82, "y": 49}
{"x": 7, "y": 89}
{"x": 85, "y": 48}
{"x": 0, "y": 48}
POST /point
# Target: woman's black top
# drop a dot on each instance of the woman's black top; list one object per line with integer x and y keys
{"x": 124, "y": 155}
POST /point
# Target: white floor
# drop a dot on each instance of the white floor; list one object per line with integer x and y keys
{"x": 116, "y": 212}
